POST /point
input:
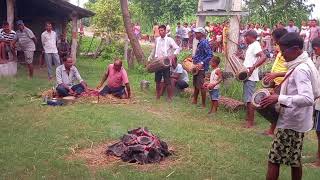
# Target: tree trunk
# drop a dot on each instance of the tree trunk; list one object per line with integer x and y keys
{"x": 10, "y": 12}
{"x": 129, "y": 29}
{"x": 74, "y": 36}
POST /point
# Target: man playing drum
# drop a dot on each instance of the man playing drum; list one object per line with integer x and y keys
{"x": 165, "y": 47}
{"x": 201, "y": 61}
{"x": 254, "y": 58}
{"x": 278, "y": 70}
{"x": 298, "y": 91}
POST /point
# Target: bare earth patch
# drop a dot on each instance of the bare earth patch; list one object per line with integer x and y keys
{"x": 96, "y": 158}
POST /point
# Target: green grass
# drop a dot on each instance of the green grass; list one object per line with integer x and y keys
{"x": 35, "y": 140}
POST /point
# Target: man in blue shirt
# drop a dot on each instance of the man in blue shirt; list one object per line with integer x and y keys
{"x": 201, "y": 61}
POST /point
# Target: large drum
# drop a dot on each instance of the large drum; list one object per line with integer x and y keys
{"x": 188, "y": 65}
{"x": 241, "y": 72}
{"x": 158, "y": 64}
{"x": 270, "y": 113}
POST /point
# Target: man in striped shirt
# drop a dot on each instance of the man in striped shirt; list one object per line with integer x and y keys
{"x": 8, "y": 36}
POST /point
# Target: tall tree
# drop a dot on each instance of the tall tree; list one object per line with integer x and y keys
{"x": 129, "y": 29}
{"x": 273, "y": 11}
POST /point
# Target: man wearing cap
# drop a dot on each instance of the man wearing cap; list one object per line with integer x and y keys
{"x": 49, "y": 43}
{"x": 201, "y": 61}
{"x": 165, "y": 47}
{"x": 27, "y": 42}
{"x": 254, "y": 58}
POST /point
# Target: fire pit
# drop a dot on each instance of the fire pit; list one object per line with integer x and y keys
{"x": 139, "y": 146}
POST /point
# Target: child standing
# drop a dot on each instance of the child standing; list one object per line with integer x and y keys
{"x": 214, "y": 84}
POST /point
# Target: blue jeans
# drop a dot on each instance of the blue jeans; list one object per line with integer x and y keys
{"x": 51, "y": 58}
{"x": 62, "y": 91}
{"x": 118, "y": 92}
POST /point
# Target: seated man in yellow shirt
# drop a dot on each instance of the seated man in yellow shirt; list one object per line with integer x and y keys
{"x": 278, "y": 70}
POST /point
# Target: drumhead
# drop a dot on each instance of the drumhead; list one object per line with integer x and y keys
{"x": 258, "y": 96}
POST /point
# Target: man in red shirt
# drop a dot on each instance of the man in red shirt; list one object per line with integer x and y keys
{"x": 117, "y": 81}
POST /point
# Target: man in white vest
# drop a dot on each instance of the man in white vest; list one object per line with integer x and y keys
{"x": 165, "y": 47}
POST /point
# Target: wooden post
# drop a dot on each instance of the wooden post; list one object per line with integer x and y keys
{"x": 10, "y": 12}
{"x": 201, "y": 22}
{"x": 74, "y": 44}
{"x": 233, "y": 36}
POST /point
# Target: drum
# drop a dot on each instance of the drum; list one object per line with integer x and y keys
{"x": 158, "y": 64}
{"x": 270, "y": 113}
{"x": 267, "y": 84}
{"x": 241, "y": 72}
{"x": 188, "y": 65}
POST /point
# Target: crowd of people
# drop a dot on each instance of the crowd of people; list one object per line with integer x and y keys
{"x": 295, "y": 76}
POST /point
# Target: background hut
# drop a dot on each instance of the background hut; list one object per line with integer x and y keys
{"x": 35, "y": 13}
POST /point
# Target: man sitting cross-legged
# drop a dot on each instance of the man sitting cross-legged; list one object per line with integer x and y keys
{"x": 67, "y": 74}
{"x": 117, "y": 81}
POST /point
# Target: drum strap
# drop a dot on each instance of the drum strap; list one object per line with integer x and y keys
{"x": 277, "y": 89}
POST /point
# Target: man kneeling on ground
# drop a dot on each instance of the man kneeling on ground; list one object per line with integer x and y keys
{"x": 179, "y": 76}
{"x": 117, "y": 81}
{"x": 67, "y": 74}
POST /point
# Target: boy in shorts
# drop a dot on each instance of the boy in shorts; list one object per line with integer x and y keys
{"x": 214, "y": 84}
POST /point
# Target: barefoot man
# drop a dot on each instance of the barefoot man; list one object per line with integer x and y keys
{"x": 201, "y": 60}
{"x": 254, "y": 58}
{"x": 298, "y": 91}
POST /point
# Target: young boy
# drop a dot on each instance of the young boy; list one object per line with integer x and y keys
{"x": 316, "y": 48}
{"x": 214, "y": 84}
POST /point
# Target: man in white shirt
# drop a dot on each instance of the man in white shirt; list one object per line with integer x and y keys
{"x": 165, "y": 47}
{"x": 67, "y": 75}
{"x": 254, "y": 58}
{"x": 179, "y": 76}
{"x": 49, "y": 43}
{"x": 296, "y": 101}
{"x": 259, "y": 31}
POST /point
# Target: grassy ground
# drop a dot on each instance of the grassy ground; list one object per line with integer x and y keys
{"x": 35, "y": 140}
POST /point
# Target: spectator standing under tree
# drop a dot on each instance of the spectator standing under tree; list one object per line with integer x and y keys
{"x": 266, "y": 38}
{"x": 49, "y": 43}
{"x": 291, "y": 27}
{"x": 314, "y": 33}
{"x": 155, "y": 31}
{"x": 254, "y": 58}
{"x": 179, "y": 34}
{"x": 185, "y": 36}
{"x": 201, "y": 60}
{"x": 27, "y": 43}
{"x": 305, "y": 33}
{"x": 259, "y": 31}
{"x": 137, "y": 31}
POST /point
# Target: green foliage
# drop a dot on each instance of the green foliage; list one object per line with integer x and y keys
{"x": 108, "y": 16}
{"x": 113, "y": 50}
{"x": 273, "y": 11}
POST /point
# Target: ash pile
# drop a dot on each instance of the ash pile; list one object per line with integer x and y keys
{"x": 139, "y": 146}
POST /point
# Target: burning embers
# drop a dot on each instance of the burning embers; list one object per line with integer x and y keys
{"x": 140, "y": 146}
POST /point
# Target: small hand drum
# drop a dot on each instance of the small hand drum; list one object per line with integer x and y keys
{"x": 258, "y": 96}
{"x": 269, "y": 113}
